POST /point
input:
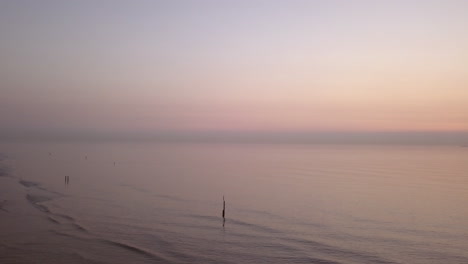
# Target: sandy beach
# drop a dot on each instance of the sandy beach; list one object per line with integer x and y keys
{"x": 33, "y": 233}
{"x": 25, "y": 226}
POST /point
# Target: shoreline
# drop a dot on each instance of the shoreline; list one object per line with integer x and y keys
{"x": 33, "y": 233}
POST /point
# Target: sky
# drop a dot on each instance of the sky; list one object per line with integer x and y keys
{"x": 204, "y": 67}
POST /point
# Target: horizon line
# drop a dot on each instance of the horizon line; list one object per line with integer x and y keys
{"x": 459, "y": 137}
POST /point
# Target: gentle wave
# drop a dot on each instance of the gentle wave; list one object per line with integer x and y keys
{"x": 146, "y": 253}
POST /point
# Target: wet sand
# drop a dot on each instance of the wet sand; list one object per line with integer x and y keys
{"x": 33, "y": 233}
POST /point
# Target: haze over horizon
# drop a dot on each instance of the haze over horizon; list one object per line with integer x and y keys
{"x": 280, "y": 70}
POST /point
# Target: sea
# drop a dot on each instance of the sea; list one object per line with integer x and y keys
{"x": 153, "y": 202}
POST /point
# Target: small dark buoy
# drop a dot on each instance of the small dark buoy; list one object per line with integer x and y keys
{"x": 114, "y": 163}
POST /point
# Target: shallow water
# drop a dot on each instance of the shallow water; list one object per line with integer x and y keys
{"x": 161, "y": 203}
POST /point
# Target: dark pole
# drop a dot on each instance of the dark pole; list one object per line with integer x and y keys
{"x": 224, "y": 206}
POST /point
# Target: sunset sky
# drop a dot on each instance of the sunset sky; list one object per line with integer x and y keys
{"x": 233, "y": 66}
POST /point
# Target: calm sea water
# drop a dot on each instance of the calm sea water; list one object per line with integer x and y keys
{"x": 162, "y": 203}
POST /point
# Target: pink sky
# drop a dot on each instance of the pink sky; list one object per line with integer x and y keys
{"x": 234, "y": 66}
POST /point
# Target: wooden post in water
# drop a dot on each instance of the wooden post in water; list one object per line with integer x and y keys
{"x": 224, "y": 206}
